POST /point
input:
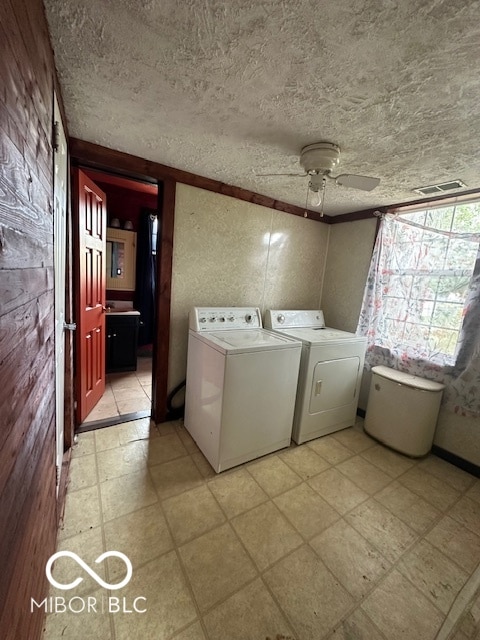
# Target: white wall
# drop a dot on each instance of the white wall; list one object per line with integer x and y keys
{"x": 348, "y": 259}
{"x": 230, "y": 252}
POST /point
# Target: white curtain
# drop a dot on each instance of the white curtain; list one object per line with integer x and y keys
{"x": 419, "y": 272}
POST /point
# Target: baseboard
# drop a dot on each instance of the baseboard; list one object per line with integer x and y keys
{"x": 463, "y": 464}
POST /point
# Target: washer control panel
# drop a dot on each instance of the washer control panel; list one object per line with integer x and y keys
{"x": 224, "y": 318}
{"x": 281, "y": 319}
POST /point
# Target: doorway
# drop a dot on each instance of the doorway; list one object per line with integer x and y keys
{"x": 129, "y": 333}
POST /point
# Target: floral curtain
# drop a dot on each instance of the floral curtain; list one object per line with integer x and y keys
{"x": 421, "y": 306}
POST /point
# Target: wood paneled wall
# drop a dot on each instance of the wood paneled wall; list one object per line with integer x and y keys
{"x": 27, "y": 383}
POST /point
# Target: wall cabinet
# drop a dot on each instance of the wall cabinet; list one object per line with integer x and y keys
{"x": 121, "y": 345}
{"x": 121, "y": 258}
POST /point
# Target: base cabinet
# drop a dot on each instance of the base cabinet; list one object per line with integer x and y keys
{"x": 121, "y": 346}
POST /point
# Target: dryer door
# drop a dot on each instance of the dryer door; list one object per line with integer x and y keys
{"x": 334, "y": 384}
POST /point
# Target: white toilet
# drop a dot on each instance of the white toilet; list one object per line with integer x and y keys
{"x": 402, "y": 410}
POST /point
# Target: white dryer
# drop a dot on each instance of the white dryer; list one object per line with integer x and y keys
{"x": 241, "y": 385}
{"x": 330, "y": 372}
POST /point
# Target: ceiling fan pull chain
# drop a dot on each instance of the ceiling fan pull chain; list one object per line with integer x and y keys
{"x": 324, "y": 185}
{"x": 305, "y": 214}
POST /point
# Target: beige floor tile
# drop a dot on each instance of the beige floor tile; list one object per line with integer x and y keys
{"x": 273, "y": 475}
{"x": 84, "y": 445}
{"x": 89, "y": 546}
{"x": 107, "y": 438}
{"x": 106, "y": 409}
{"x": 216, "y": 565}
{"x": 169, "y": 604}
{"x": 126, "y": 494}
{"x": 407, "y": 506}
{"x": 457, "y": 478}
{"x": 356, "y": 627}
{"x": 340, "y": 492}
{"x": 400, "y": 611}
{"x": 391, "y": 463}
{"x": 304, "y": 461}
{"x": 193, "y": 632}
{"x": 82, "y": 512}
{"x": 250, "y": 614}
{"x": 350, "y": 557}
{"x": 458, "y": 635}
{"x": 192, "y": 513}
{"x": 474, "y": 491}
{"x": 470, "y": 621}
{"x": 381, "y": 528}
{"x": 354, "y": 439}
{"x": 365, "y": 475}
{"x": 164, "y": 449}
{"x": 467, "y": 512}
{"x": 134, "y": 430}
{"x": 437, "y": 577}
{"x": 306, "y": 509}
{"x": 187, "y": 440}
{"x": 132, "y": 393}
{"x": 167, "y": 428}
{"x": 83, "y": 472}
{"x": 142, "y": 536}
{"x": 174, "y": 477}
{"x": 438, "y": 493}
{"x": 237, "y": 492}
{"x": 130, "y": 458}
{"x": 164, "y": 429}
{"x": 266, "y": 534}
{"x": 70, "y": 626}
{"x": 203, "y": 465}
{"x": 126, "y": 380}
{"x": 308, "y": 593}
{"x": 458, "y": 543}
{"x": 132, "y": 406}
{"x": 330, "y": 449}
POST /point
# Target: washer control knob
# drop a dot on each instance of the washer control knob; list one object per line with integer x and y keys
{"x": 212, "y": 319}
{"x": 202, "y": 319}
{"x": 221, "y": 319}
{"x": 231, "y": 318}
{"x": 280, "y": 318}
{"x": 249, "y": 318}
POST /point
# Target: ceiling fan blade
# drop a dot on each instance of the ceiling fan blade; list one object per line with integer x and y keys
{"x": 292, "y": 175}
{"x": 365, "y": 183}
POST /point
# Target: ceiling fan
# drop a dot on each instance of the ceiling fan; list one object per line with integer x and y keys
{"x": 318, "y": 160}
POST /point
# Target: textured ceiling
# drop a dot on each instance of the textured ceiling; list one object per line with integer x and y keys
{"x": 230, "y": 89}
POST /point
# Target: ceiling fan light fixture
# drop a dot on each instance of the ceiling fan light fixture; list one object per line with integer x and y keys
{"x": 316, "y": 199}
{"x": 320, "y": 157}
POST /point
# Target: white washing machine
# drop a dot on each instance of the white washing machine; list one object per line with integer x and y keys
{"x": 330, "y": 372}
{"x": 241, "y": 385}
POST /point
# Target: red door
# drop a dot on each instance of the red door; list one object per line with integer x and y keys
{"x": 91, "y": 224}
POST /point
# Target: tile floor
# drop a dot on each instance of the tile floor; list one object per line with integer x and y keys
{"x": 337, "y": 539}
{"x": 125, "y": 393}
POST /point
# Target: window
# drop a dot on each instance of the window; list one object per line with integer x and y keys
{"x": 419, "y": 282}
{"x": 428, "y": 269}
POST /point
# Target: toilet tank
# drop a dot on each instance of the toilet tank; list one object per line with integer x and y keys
{"x": 402, "y": 410}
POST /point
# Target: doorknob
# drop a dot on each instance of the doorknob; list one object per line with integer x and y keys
{"x": 69, "y": 326}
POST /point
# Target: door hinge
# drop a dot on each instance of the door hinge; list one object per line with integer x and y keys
{"x": 57, "y": 475}
{"x": 56, "y": 136}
